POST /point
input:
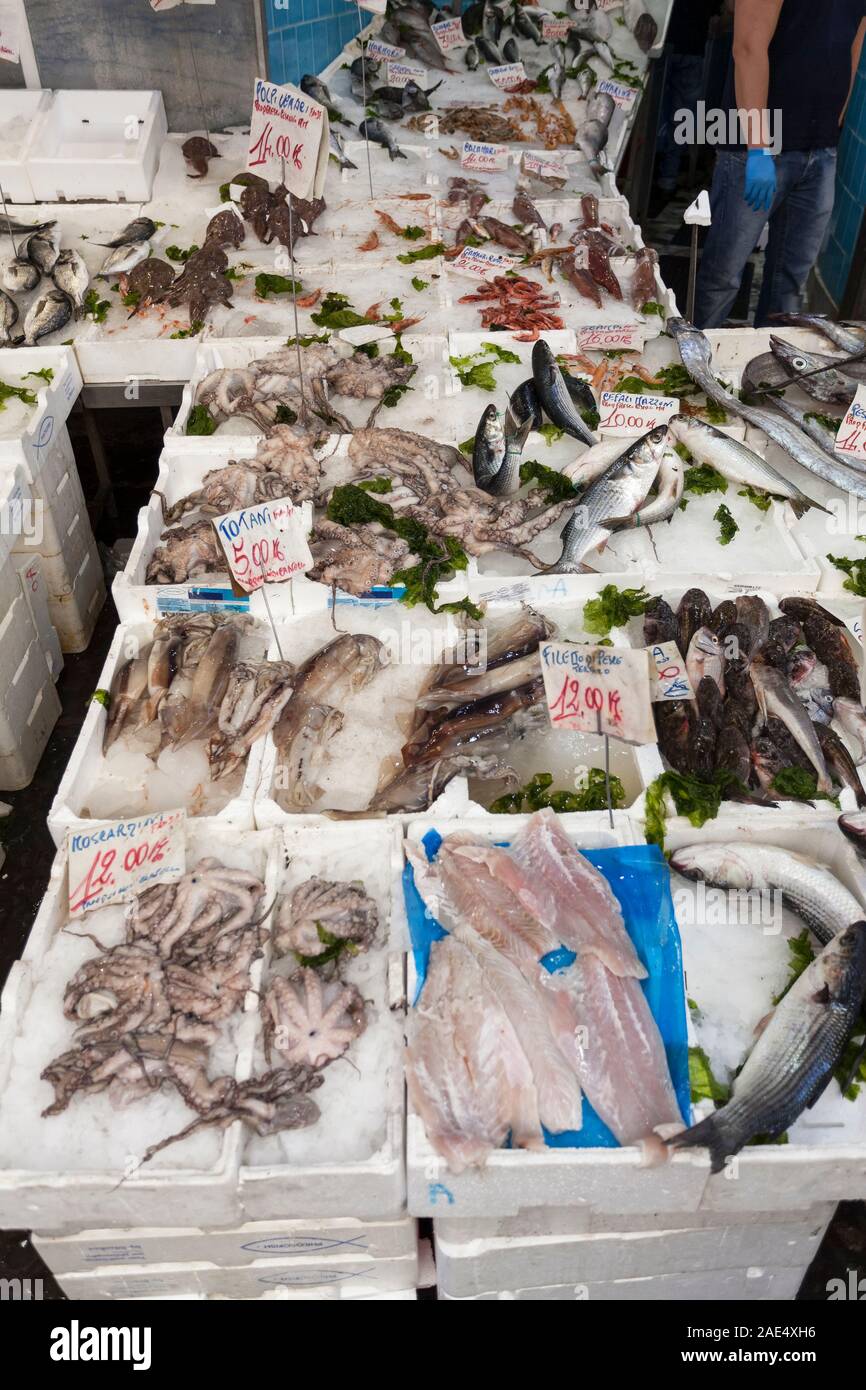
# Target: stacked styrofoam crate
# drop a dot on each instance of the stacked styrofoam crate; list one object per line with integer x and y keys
{"x": 597, "y": 1223}
{"x": 63, "y": 537}
{"x": 29, "y": 707}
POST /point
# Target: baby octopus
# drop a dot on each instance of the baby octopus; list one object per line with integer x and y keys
{"x": 311, "y": 1021}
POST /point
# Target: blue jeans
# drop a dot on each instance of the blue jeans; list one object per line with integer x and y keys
{"x": 805, "y": 185}
{"x": 684, "y": 85}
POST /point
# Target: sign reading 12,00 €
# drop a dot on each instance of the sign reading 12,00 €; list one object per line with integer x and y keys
{"x": 288, "y": 138}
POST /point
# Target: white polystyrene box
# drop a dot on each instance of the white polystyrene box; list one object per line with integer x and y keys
{"x": 755, "y": 1284}
{"x": 97, "y": 145}
{"x": 19, "y": 111}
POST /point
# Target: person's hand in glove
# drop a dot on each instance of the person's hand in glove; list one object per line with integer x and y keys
{"x": 760, "y": 189}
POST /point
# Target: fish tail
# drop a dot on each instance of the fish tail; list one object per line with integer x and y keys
{"x": 707, "y": 1134}
{"x": 800, "y": 505}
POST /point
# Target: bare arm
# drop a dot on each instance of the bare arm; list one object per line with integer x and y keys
{"x": 754, "y": 26}
{"x": 856, "y": 49}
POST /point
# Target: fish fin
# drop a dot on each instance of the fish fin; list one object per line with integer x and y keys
{"x": 763, "y": 1022}
{"x": 822, "y": 995}
{"x": 800, "y": 505}
{"x": 705, "y": 1134}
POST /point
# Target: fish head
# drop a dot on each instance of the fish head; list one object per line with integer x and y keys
{"x": 725, "y": 864}
{"x": 842, "y": 964}
{"x": 853, "y": 827}
{"x": 543, "y": 360}
{"x": 801, "y": 664}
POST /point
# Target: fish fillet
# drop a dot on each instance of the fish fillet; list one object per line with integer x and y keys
{"x": 467, "y": 1075}
{"x": 563, "y": 891}
{"x": 619, "y": 1055}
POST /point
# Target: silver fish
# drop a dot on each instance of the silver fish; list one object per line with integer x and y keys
{"x": 853, "y": 827}
{"x": 123, "y": 259}
{"x": 706, "y": 657}
{"x": 487, "y": 51}
{"x": 70, "y": 274}
{"x": 776, "y": 697}
{"x": 595, "y": 461}
{"x": 696, "y": 356}
{"x": 48, "y": 313}
{"x": 671, "y": 482}
{"x": 830, "y": 384}
{"x": 380, "y": 135}
{"x": 593, "y": 24}
{"x": 18, "y": 275}
{"x": 527, "y": 26}
{"x": 488, "y": 453}
{"x": 610, "y": 500}
{"x": 755, "y": 375}
{"x": 510, "y": 51}
{"x": 556, "y": 79}
{"x": 808, "y": 888}
{"x": 793, "y": 1059}
{"x": 471, "y": 58}
{"x": 736, "y": 461}
{"x": 42, "y": 248}
{"x": 852, "y": 716}
{"x": 8, "y": 316}
{"x": 315, "y": 88}
{"x": 139, "y": 229}
{"x": 850, "y": 337}
{"x": 337, "y": 150}
{"x": 554, "y": 395}
{"x": 605, "y": 53}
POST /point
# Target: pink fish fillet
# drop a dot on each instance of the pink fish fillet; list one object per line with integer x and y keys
{"x": 619, "y": 1055}
{"x": 464, "y": 896}
{"x": 563, "y": 891}
{"x": 467, "y": 1074}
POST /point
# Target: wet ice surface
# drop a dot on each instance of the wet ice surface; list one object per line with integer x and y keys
{"x": 129, "y": 781}
{"x": 92, "y": 1134}
{"x": 363, "y": 1088}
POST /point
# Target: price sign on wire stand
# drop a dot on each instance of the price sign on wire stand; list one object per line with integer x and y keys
{"x": 264, "y": 544}
{"x": 449, "y": 34}
{"x": 288, "y": 138}
{"x": 851, "y": 434}
{"x": 598, "y": 690}
{"x": 621, "y": 413}
{"x": 113, "y": 862}
{"x": 669, "y": 679}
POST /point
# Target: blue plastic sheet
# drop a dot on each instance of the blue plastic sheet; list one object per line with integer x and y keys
{"x": 640, "y": 879}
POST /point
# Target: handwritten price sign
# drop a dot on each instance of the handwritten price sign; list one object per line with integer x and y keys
{"x": 624, "y": 97}
{"x": 507, "y": 75}
{"x": 377, "y": 49}
{"x": 449, "y": 34}
{"x": 555, "y": 30}
{"x": 483, "y": 158}
{"x": 264, "y": 544}
{"x": 851, "y": 435}
{"x": 601, "y": 337}
{"x": 475, "y": 260}
{"x": 668, "y": 676}
{"x": 401, "y": 74}
{"x": 115, "y": 861}
{"x": 288, "y": 132}
{"x": 623, "y": 414}
{"x": 598, "y": 690}
{"x": 536, "y": 166}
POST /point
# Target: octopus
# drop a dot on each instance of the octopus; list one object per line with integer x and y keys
{"x": 208, "y": 902}
{"x": 356, "y": 559}
{"x": 320, "y": 909}
{"x": 287, "y": 453}
{"x": 309, "y": 1021}
{"x": 213, "y": 987}
{"x": 184, "y": 553}
{"x": 130, "y": 1066}
{"x": 222, "y": 490}
{"x": 226, "y": 229}
{"x": 120, "y": 991}
{"x": 197, "y": 150}
{"x": 365, "y": 378}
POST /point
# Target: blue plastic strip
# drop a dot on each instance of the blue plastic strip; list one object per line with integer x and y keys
{"x": 640, "y": 879}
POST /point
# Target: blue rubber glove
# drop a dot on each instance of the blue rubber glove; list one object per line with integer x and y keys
{"x": 760, "y": 189}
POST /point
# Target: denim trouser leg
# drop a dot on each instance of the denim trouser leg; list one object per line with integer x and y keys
{"x": 730, "y": 241}
{"x": 797, "y": 229}
{"x": 683, "y": 86}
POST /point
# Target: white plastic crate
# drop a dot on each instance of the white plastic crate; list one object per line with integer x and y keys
{"x": 825, "y": 1155}
{"x": 75, "y": 585}
{"x": 371, "y": 1177}
{"x": 180, "y": 473}
{"x": 29, "y": 434}
{"x": 72, "y": 805}
{"x": 605, "y": 1180}
{"x": 484, "y": 1265}
{"x": 286, "y": 1277}
{"x": 97, "y": 145}
{"x": 62, "y": 1193}
{"x": 317, "y": 1241}
{"x": 33, "y": 585}
{"x": 19, "y": 111}
{"x": 567, "y": 1223}
{"x": 29, "y": 709}
{"x": 756, "y": 1283}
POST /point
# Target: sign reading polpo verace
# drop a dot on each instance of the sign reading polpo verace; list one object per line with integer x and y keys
{"x": 288, "y": 138}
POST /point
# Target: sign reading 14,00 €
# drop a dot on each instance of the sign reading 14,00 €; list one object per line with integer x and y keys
{"x": 288, "y": 138}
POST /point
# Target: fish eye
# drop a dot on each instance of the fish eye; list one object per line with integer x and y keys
{"x": 799, "y": 363}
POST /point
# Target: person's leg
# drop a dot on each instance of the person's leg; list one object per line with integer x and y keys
{"x": 683, "y": 85}
{"x": 797, "y": 229}
{"x": 731, "y": 239}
